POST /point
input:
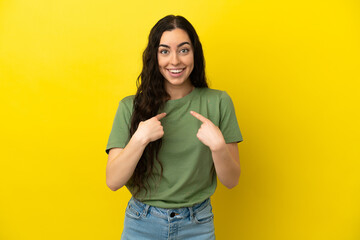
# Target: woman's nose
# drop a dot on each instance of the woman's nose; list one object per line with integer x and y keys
{"x": 174, "y": 59}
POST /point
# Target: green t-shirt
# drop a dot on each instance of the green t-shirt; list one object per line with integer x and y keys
{"x": 189, "y": 175}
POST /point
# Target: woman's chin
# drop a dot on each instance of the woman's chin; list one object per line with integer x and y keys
{"x": 178, "y": 82}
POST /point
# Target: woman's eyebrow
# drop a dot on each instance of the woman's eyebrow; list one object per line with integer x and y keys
{"x": 181, "y": 44}
{"x": 163, "y": 45}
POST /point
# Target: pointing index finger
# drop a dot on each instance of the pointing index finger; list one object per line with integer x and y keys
{"x": 199, "y": 116}
{"x": 160, "y": 116}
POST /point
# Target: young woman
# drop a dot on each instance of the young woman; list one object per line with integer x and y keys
{"x": 171, "y": 141}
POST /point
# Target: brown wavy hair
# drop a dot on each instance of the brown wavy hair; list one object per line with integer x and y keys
{"x": 151, "y": 94}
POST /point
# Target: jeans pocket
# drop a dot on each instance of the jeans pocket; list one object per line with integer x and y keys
{"x": 132, "y": 210}
{"x": 204, "y": 215}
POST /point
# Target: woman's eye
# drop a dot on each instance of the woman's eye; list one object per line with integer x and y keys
{"x": 164, "y": 51}
{"x": 184, "y": 50}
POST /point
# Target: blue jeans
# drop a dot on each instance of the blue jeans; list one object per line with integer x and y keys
{"x": 143, "y": 221}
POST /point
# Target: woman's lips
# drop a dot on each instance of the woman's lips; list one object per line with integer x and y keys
{"x": 176, "y": 72}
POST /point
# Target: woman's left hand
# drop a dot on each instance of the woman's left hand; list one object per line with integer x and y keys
{"x": 208, "y": 133}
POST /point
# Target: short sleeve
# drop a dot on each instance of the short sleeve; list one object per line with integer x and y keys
{"x": 119, "y": 135}
{"x": 228, "y": 121}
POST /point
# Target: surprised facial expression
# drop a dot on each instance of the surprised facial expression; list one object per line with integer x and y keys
{"x": 175, "y": 58}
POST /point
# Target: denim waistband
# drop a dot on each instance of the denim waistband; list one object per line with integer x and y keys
{"x": 167, "y": 213}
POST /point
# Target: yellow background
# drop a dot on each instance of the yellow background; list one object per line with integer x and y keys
{"x": 291, "y": 68}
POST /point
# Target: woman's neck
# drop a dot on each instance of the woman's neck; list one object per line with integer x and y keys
{"x": 177, "y": 92}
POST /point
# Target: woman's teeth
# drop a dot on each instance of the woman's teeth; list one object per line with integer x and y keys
{"x": 176, "y": 70}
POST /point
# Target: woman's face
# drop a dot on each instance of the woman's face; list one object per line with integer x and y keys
{"x": 176, "y": 57}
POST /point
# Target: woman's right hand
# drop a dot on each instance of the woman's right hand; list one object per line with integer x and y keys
{"x": 150, "y": 130}
{"x": 122, "y": 162}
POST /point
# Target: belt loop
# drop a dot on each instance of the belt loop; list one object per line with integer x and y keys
{"x": 191, "y": 213}
{"x": 146, "y": 209}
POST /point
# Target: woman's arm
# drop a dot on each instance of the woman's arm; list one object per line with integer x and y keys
{"x": 227, "y": 164}
{"x": 122, "y": 161}
{"x": 225, "y": 156}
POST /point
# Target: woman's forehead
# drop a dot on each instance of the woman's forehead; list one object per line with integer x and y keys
{"x": 174, "y": 37}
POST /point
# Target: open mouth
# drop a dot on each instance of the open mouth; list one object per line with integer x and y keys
{"x": 176, "y": 71}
